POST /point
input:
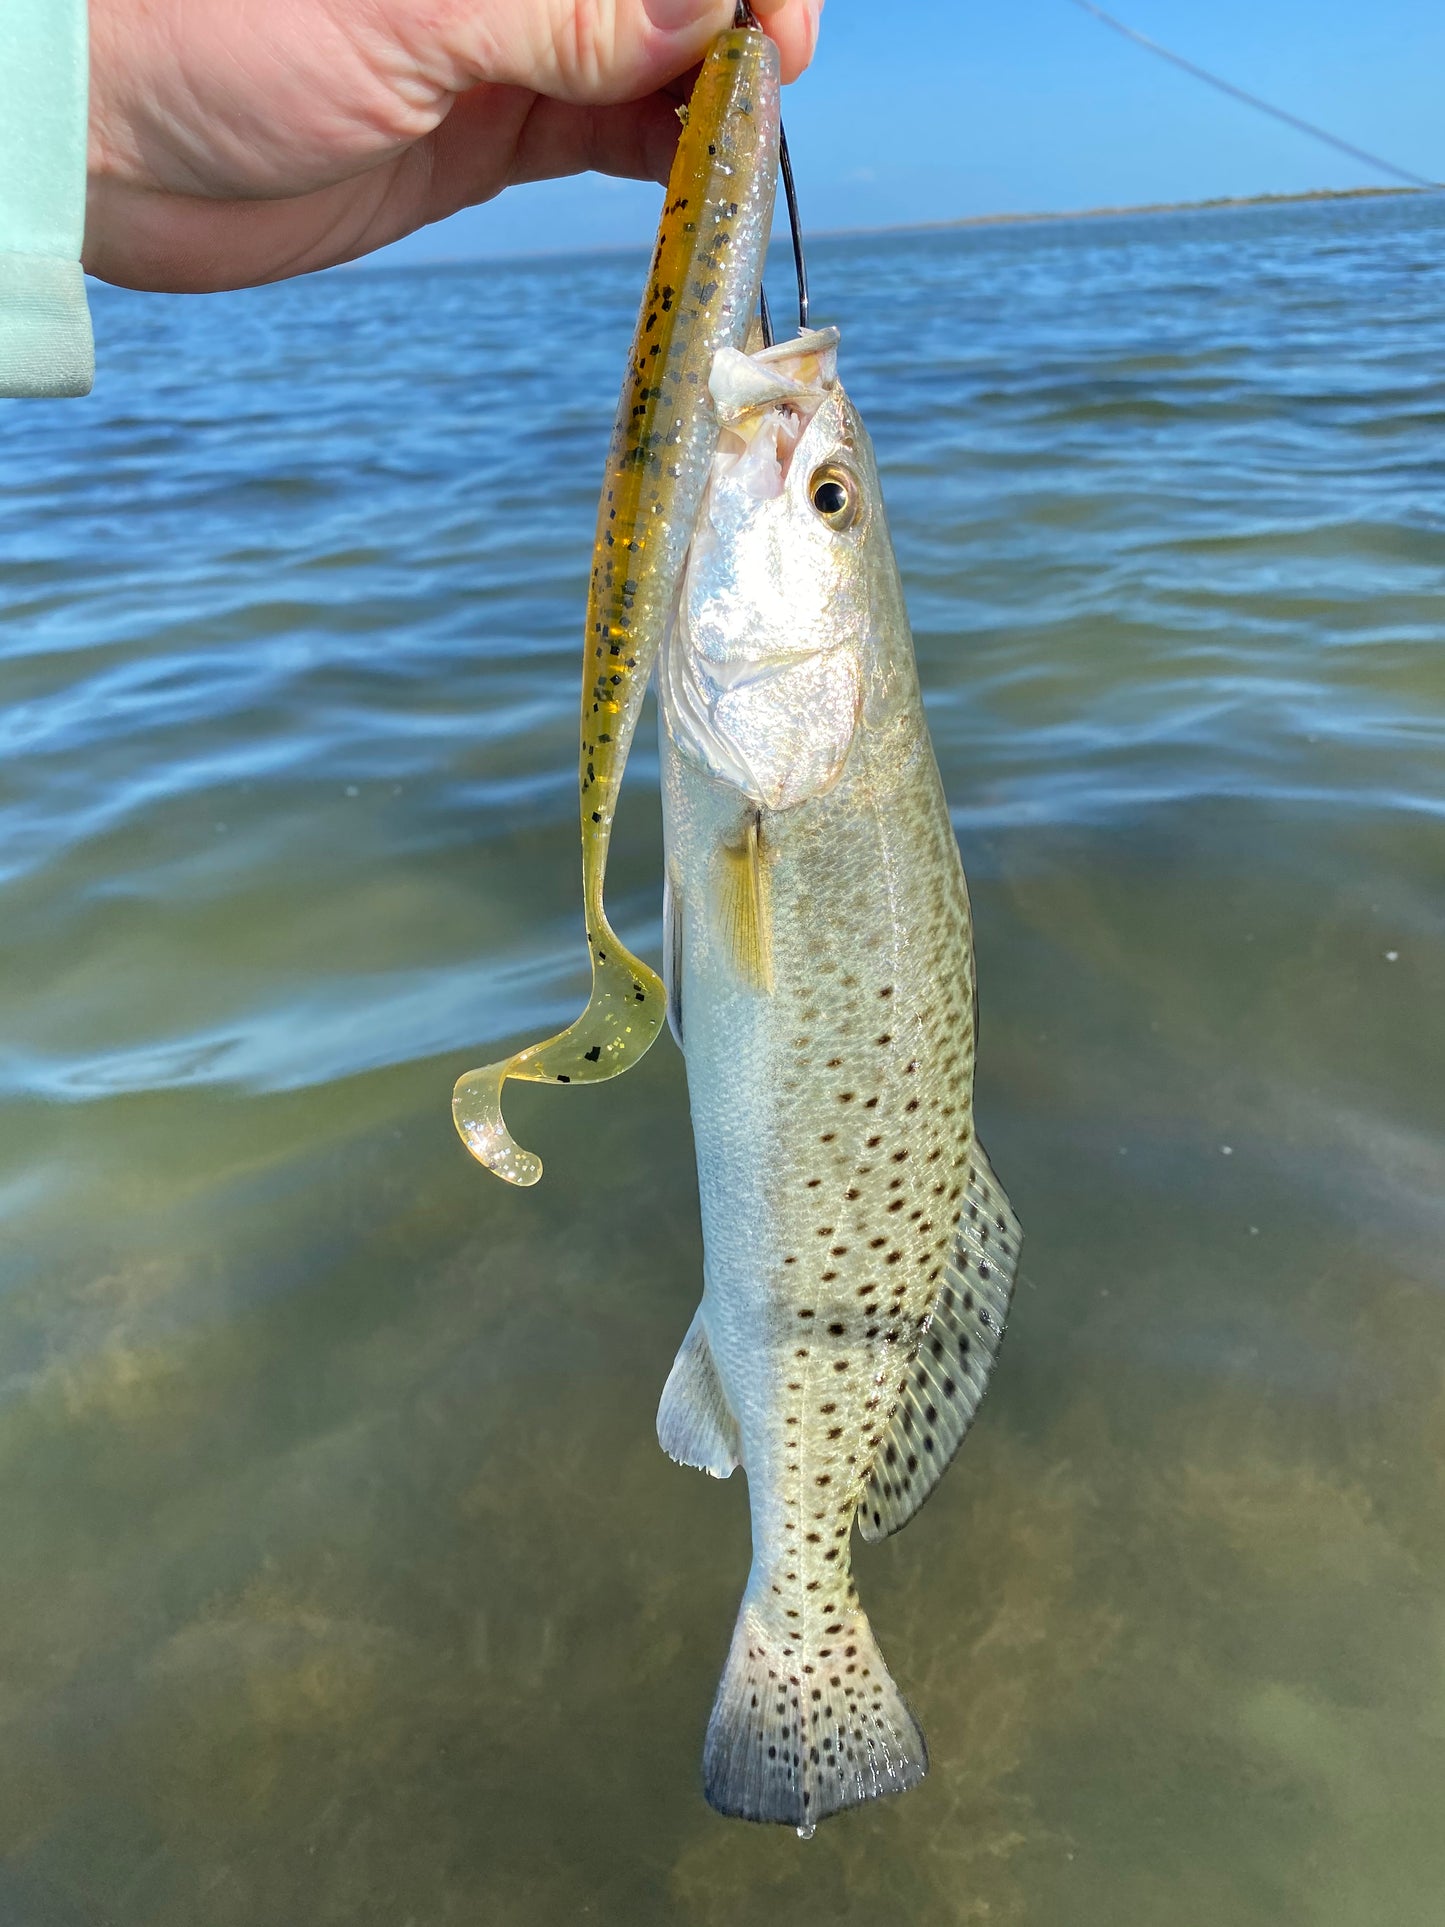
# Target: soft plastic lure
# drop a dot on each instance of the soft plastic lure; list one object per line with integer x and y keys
{"x": 701, "y": 291}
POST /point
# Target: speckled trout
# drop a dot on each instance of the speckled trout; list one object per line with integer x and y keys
{"x": 859, "y": 1252}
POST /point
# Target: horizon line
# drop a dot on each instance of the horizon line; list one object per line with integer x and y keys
{"x": 370, "y": 263}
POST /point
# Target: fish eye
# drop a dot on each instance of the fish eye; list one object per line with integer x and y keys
{"x": 835, "y": 495}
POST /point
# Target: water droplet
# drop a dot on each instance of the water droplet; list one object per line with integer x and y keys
{"x": 1392, "y": 956}
{"x": 806, "y": 1832}
{"x": 352, "y": 790}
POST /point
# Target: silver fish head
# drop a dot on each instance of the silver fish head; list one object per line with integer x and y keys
{"x": 791, "y": 633}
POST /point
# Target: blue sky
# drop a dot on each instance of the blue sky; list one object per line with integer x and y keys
{"x": 926, "y": 110}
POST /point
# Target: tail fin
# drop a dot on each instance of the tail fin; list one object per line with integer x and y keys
{"x": 799, "y": 1731}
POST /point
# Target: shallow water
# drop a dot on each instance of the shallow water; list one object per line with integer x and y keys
{"x": 342, "y": 1578}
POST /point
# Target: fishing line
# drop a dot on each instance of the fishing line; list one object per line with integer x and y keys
{"x": 1253, "y": 100}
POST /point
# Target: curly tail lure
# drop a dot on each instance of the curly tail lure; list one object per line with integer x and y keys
{"x": 701, "y": 290}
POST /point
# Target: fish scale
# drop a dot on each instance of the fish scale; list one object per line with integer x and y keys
{"x": 832, "y": 1104}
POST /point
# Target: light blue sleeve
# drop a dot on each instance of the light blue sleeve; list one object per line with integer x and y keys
{"x": 45, "y": 340}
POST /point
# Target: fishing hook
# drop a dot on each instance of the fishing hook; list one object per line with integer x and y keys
{"x": 791, "y": 195}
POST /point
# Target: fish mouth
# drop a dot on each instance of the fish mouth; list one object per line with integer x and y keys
{"x": 765, "y": 401}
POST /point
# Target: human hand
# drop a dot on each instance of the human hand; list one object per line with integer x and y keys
{"x": 239, "y": 143}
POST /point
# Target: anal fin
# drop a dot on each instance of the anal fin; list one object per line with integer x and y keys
{"x": 955, "y": 1357}
{"x": 695, "y": 1424}
{"x": 673, "y": 953}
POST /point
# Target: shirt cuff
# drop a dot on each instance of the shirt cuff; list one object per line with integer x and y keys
{"x": 46, "y": 346}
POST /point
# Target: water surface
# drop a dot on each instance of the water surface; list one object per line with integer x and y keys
{"x": 342, "y": 1578}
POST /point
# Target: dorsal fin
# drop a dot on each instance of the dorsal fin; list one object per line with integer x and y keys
{"x": 950, "y": 1371}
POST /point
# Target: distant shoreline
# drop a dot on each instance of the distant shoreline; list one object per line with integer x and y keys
{"x": 1218, "y": 204}
{"x": 1144, "y": 207}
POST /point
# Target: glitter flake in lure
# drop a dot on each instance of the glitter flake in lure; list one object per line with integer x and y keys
{"x": 701, "y": 291}
{"x": 859, "y": 1253}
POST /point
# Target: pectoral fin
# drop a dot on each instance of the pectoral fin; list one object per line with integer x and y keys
{"x": 743, "y": 914}
{"x": 955, "y": 1358}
